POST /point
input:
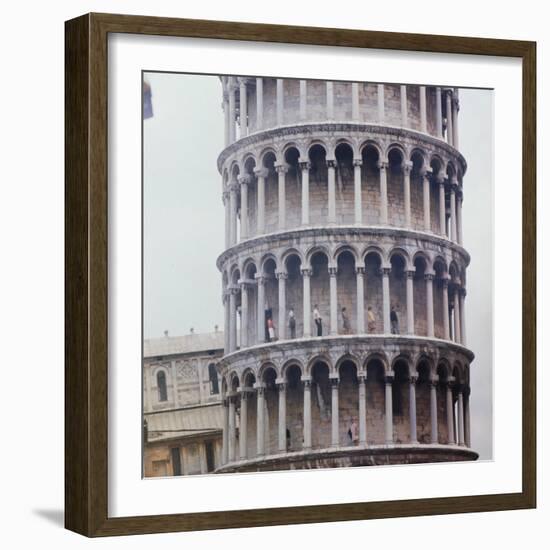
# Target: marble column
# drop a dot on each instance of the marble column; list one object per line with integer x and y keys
{"x": 282, "y": 416}
{"x": 226, "y": 115}
{"x": 423, "y": 114}
{"x": 433, "y": 411}
{"x": 232, "y": 116}
{"x": 281, "y": 283}
{"x": 260, "y": 314}
{"x": 455, "y": 117}
{"x": 386, "y": 299}
{"x": 355, "y": 101}
{"x": 307, "y": 414}
{"x": 389, "y": 411}
{"x": 232, "y": 436}
{"x": 243, "y": 115}
{"x": 303, "y": 100}
{"x": 244, "y": 181}
{"x": 362, "y": 410}
{"x": 261, "y": 174}
{"x": 456, "y": 302}
{"x": 360, "y": 283}
{"x": 243, "y": 427}
{"x": 429, "y": 277}
{"x": 232, "y": 319}
{"x": 404, "y": 110}
{"x": 259, "y": 103}
{"x": 357, "y": 198}
{"x": 282, "y": 169}
{"x": 225, "y": 198}
{"x": 280, "y": 102}
{"x": 459, "y": 218}
{"x": 333, "y": 271}
{"x": 467, "y": 433}
{"x": 244, "y": 315}
{"x": 448, "y": 97}
{"x": 383, "y": 193}
{"x": 331, "y": 166}
{"x": 453, "y": 211}
{"x": 233, "y": 212}
{"x": 450, "y": 415}
{"x": 305, "y": 166}
{"x": 442, "y": 216}
{"x": 226, "y": 317}
{"x": 306, "y": 274}
{"x": 412, "y": 409}
{"x": 335, "y": 439}
{"x": 381, "y": 115}
{"x": 438, "y": 114}
{"x": 446, "y": 328}
{"x": 426, "y": 199}
{"x": 460, "y": 410}
{"x": 225, "y": 432}
{"x": 407, "y": 167}
{"x": 260, "y": 421}
{"x": 330, "y": 100}
{"x": 461, "y": 303}
{"x": 410, "y": 300}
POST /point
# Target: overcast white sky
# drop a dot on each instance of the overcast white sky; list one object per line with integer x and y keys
{"x": 184, "y": 221}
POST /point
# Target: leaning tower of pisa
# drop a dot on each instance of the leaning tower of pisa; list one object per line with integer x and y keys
{"x": 343, "y": 274}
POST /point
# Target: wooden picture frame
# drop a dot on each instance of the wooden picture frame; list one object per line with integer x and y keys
{"x": 86, "y": 283}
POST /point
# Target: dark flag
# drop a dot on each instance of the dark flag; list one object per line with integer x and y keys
{"x": 147, "y": 100}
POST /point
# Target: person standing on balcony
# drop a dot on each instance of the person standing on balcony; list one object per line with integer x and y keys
{"x": 318, "y": 320}
{"x": 292, "y": 323}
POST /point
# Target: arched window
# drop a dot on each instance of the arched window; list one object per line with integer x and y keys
{"x": 161, "y": 384}
{"x": 213, "y": 377}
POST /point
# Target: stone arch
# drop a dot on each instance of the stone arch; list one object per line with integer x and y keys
{"x": 403, "y": 357}
{"x": 317, "y": 249}
{"x": 287, "y": 254}
{"x": 373, "y": 249}
{"x": 249, "y": 268}
{"x": 424, "y": 359}
{"x": 443, "y": 369}
{"x": 373, "y": 145}
{"x": 345, "y": 248}
{"x": 318, "y": 358}
{"x": 248, "y": 160}
{"x": 265, "y": 258}
{"x": 399, "y": 251}
{"x": 316, "y": 142}
{"x": 234, "y": 381}
{"x": 264, "y": 153}
{"x": 380, "y": 356}
{"x": 291, "y": 363}
{"x": 248, "y": 378}
{"x": 348, "y": 357}
{"x": 419, "y": 157}
{"x": 396, "y": 146}
{"x": 234, "y": 170}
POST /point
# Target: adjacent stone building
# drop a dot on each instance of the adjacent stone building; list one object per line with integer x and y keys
{"x": 182, "y": 404}
{"x": 343, "y": 208}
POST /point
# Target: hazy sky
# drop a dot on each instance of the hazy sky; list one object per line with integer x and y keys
{"x": 184, "y": 221}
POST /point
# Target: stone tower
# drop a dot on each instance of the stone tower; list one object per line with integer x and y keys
{"x": 343, "y": 276}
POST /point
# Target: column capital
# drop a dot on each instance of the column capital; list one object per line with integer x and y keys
{"x": 281, "y": 168}
{"x": 333, "y": 271}
{"x": 306, "y": 380}
{"x": 410, "y": 273}
{"x": 233, "y": 186}
{"x": 281, "y": 275}
{"x": 360, "y": 270}
{"x": 462, "y": 292}
{"x": 382, "y": 164}
{"x": 261, "y": 172}
{"x": 331, "y": 163}
{"x": 426, "y": 172}
{"x": 407, "y": 166}
{"x": 434, "y": 380}
{"x": 429, "y": 276}
{"x": 388, "y": 378}
{"x": 334, "y": 380}
{"x": 304, "y": 164}
{"x": 245, "y": 179}
{"x": 225, "y": 196}
{"x": 357, "y": 162}
{"x": 306, "y": 272}
{"x": 385, "y": 271}
{"x": 445, "y": 281}
{"x": 413, "y": 379}
{"x": 260, "y": 279}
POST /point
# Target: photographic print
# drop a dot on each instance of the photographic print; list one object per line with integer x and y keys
{"x": 317, "y": 274}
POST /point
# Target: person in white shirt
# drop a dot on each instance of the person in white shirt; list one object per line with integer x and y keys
{"x": 292, "y": 323}
{"x": 318, "y": 320}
